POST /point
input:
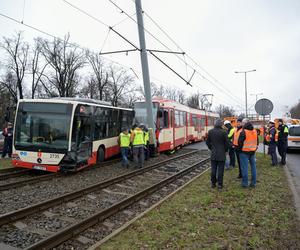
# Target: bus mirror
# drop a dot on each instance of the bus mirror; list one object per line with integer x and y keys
{"x": 159, "y": 113}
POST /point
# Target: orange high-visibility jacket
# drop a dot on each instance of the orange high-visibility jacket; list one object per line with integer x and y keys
{"x": 250, "y": 143}
{"x": 236, "y": 136}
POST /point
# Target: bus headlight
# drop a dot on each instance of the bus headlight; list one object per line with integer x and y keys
{"x": 15, "y": 157}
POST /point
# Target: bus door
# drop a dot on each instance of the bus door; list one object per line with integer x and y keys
{"x": 82, "y": 134}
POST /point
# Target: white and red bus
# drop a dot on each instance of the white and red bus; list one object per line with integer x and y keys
{"x": 66, "y": 134}
{"x": 176, "y": 124}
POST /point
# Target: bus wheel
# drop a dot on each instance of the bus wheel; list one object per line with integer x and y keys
{"x": 100, "y": 155}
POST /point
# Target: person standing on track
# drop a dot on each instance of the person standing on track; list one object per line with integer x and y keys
{"x": 235, "y": 140}
{"x": 217, "y": 142}
{"x": 283, "y": 133}
{"x": 124, "y": 142}
{"x": 137, "y": 140}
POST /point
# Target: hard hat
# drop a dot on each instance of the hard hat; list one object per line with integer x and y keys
{"x": 227, "y": 122}
{"x": 272, "y": 121}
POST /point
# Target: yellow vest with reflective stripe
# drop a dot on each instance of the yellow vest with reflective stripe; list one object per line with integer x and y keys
{"x": 146, "y": 138}
{"x": 230, "y": 134}
{"x": 138, "y": 138}
{"x": 124, "y": 140}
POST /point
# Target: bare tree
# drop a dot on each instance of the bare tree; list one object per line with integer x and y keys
{"x": 9, "y": 82}
{"x": 158, "y": 91}
{"x": 120, "y": 84}
{"x": 193, "y": 101}
{"x": 36, "y": 70}
{"x": 225, "y": 111}
{"x": 99, "y": 77}
{"x": 17, "y": 51}
{"x": 65, "y": 59}
{"x": 295, "y": 111}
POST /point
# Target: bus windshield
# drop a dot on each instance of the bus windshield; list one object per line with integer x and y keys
{"x": 141, "y": 112}
{"x": 294, "y": 131}
{"x": 43, "y": 126}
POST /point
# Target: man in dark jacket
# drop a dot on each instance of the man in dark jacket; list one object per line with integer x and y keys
{"x": 217, "y": 142}
{"x": 8, "y": 138}
{"x": 283, "y": 133}
{"x": 247, "y": 143}
{"x": 273, "y": 140}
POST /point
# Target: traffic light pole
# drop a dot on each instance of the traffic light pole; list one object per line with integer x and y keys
{"x": 145, "y": 67}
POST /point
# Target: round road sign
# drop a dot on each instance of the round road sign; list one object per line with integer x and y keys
{"x": 264, "y": 106}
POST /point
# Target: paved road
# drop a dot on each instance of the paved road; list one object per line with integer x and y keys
{"x": 293, "y": 164}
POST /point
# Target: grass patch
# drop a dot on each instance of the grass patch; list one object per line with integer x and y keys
{"x": 235, "y": 218}
{"x": 5, "y": 163}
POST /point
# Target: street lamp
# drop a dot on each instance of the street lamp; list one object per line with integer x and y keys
{"x": 256, "y": 96}
{"x": 245, "y": 72}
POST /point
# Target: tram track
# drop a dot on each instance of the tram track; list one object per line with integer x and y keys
{"x": 118, "y": 189}
{"x": 12, "y": 172}
{"x": 26, "y": 195}
{"x": 27, "y": 176}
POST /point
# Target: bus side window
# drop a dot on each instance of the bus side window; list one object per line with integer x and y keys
{"x": 114, "y": 128}
{"x": 101, "y": 123}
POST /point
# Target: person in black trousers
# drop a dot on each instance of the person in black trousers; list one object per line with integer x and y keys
{"x": 283, "y": 133}
{"x": 218, "y": 143}
{"x": 8, "y": 138}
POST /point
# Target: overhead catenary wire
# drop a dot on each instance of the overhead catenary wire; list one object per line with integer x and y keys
{"x": 51, "y": 35}
{"x": 233, "y": 98}
{"x": 179, "y": 47}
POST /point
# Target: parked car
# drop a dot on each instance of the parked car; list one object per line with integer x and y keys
{"x": 1, "y": 141}
{"x": 294, "y": 136}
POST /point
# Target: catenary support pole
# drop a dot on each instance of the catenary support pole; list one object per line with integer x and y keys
{"x": 145, "y": 67}
{"x": 246, "y": 101}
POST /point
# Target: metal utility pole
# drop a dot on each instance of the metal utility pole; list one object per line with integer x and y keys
{"x": 245, "y": 72}
{"x": 145, "y": 67}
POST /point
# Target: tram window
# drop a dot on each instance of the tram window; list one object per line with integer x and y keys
{"x": 172, "y": 118}
{"x": 164, "y": 119}
{"x": 177, "y": 118}
{"x": 202, "y": 122}
{"x": 194, "y": 120}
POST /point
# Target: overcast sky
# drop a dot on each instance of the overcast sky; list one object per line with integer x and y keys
{"x": 222, "y": 36}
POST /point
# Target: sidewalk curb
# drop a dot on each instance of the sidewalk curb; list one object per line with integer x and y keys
{"x": 294, "y": 191}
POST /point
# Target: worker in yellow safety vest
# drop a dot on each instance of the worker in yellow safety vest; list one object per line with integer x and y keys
{"x": 138, "y": 142}
{"x": 124, "y": 142}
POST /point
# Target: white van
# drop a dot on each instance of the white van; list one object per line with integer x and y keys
{"x": 294, "y": 136}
